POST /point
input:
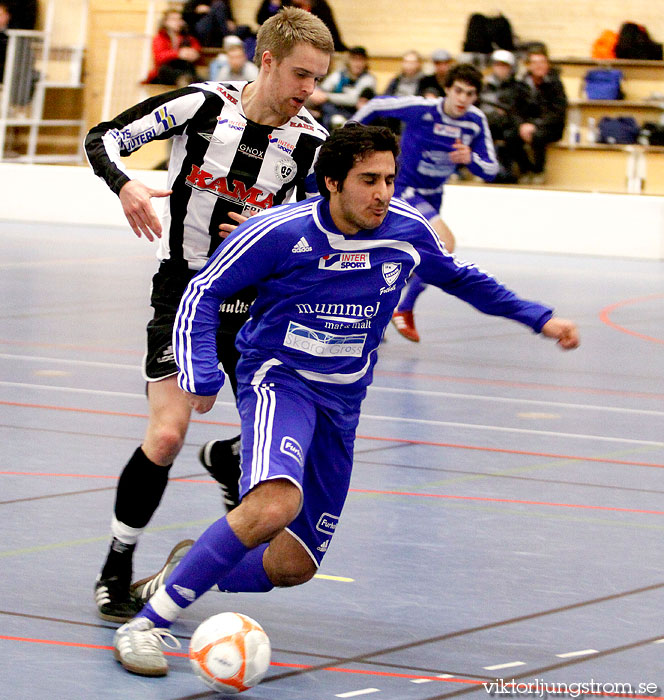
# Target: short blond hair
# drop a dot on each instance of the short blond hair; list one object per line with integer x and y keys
{"x": 291, "y": 26}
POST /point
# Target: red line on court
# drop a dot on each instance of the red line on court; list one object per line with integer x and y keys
{"x": 180, "y": 654}
{"x": 334, "y": 669}
{"x": 507, "y": 500}
{"x": 605, "y": 313}
{"x": 431, "y": 443}
{"x": 419, "y": 494}
{"x": 517, "y": 385}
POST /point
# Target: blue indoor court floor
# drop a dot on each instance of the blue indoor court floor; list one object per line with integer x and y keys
{"x": 506, "y": 517}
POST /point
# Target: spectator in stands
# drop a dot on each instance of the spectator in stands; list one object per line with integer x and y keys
{"x": 338, "y": 94}
{"x": 5, "y": 18}
{"x": 546, "y": 121}
{"x": 24, "y": 76}
{"x": 233, "y": 64}
{"x": 23, "y": 14}
{"x": 366, "y": 95}
{"x": 210, "y": 21}
{"x": 434, "y": 85}
{"x": 323, "y": 11}
{"x": 175, "y": 52}
{"x": 407, "y": 82}
{"x": 506, "y": 102}
{"x": 267, "y": 9}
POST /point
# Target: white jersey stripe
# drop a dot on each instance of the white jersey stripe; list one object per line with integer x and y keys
{"x": 255, "y": 452}
{"x": 227, "y": 256}
{"x": 271, "y": 401}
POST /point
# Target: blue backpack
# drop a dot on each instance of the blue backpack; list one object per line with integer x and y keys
{"x": 603, "y": 84}
{"x": 618, "y": 130}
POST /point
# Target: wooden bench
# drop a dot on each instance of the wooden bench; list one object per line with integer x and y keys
{"x": 641, "y": 78}
{"x": 601, "y": 167}
{"x": 579, "y": 111}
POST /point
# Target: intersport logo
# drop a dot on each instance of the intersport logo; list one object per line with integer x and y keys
{"x": 345, "y": 261}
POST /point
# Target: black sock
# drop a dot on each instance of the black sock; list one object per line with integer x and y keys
{"x": 139, "y": 491}
{"x": 140, "y": 488}
{"x": 119, "y": 561}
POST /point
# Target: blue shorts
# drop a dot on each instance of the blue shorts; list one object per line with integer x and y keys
{"x": 287, "y": 434}
{"x": 428, "y": 205}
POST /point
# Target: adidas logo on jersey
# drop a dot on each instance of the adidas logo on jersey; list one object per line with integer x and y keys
{"x": 302, "y": 246}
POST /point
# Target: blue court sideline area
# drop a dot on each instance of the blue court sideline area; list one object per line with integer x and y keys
{"x": 506, "y": 518}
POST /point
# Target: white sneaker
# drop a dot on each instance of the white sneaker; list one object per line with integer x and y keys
{"x": 138, "y": 647}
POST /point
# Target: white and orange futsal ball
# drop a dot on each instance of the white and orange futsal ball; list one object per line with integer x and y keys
{"x": 230, "y": 652}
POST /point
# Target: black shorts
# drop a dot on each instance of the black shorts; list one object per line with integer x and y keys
{"x": 168, "y": 286}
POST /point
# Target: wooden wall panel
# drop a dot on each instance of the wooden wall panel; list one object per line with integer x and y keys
{"x": 391, "y": 27}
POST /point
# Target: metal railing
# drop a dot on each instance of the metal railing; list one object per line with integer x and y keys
{"x": 33, "y": 64}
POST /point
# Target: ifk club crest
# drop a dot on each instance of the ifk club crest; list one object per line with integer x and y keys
{"x": 391, "y": 272}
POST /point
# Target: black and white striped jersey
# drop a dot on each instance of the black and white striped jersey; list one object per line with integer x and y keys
{"x": 220, "y": 161}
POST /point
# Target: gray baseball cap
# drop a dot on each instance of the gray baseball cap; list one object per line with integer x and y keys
{"x": 441, "y": 56}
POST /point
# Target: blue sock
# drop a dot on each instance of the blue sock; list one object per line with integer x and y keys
{"x": 217, "y": 556}
{"x": 249, "y": 575}
{"x": 414, "y": 288}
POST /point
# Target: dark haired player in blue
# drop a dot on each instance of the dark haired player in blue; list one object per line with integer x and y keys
{"x": 328, "y": 273}
{"x": 439, "y": 135}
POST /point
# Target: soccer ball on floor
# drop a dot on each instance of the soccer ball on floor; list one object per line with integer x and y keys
{"x": 230, "y": 652}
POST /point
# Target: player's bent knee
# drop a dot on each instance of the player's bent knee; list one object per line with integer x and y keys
{"x": 163, "y": 444}
{"x": 287, "y": 574}
{"x": 287, "y": 562}
{"x": 265, "y": 511}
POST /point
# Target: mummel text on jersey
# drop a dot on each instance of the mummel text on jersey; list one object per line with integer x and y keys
{"x": 324, "y": 298}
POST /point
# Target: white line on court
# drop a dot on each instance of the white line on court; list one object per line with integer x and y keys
{"x": 372, "y": 389}
{"x": 501, "y": 399}
{"x": 356, "y": 693}
{"x": 572, "y": 654}
{"x": 368, "y": 416}
{"x": 56, "y": 360}
{"x": 511, "y": 664}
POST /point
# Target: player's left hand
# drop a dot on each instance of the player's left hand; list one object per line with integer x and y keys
{"x": 226, "y": 229}
{"x": 200, "y": 404}
{"x": 461, "y": 155}
{"x": 562, "y": 330}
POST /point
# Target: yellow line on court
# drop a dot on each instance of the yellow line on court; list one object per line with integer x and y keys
{"x": 342, "y": 579}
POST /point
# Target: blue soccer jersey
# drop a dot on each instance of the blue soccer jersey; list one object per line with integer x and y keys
{"x": 428, "y": 139}
{"x": 323, "y": 298}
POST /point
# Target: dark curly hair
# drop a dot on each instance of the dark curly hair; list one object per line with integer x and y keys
{"x": 347, "y": 146}
{"x": 464, "y": 73}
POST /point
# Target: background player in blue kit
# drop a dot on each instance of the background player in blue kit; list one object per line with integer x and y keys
{"x": 238, "y": 148}
{"x": 439, "y": 135}
{"x": 329, "y": 272}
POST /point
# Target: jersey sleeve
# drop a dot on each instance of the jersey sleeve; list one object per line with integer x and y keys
{"x": 475, "y": 286}
{"x": 310, "y": 182}
{"x": 247, "y": 256}
{"x": 158, "y": 117}
{"x": 484, "y": 162}
{"x": 403, "y": 108}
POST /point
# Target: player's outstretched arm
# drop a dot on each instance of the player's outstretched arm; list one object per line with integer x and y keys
{"x": 562, "y": 330}
{"x": 135, "y": 200}
{"x": 200, "y": 404}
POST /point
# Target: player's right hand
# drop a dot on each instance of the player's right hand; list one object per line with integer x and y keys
{"x": 225, "y": 229}
{"x": 200, "y": 404}
{"x": 135, "y": 200}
